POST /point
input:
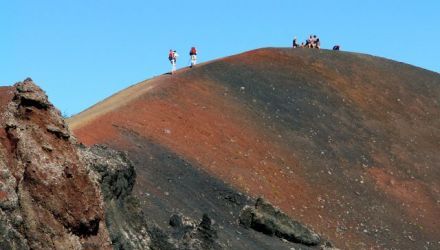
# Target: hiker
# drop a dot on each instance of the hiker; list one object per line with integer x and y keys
{"x": 311, "y": 41}
{"x": 336, "y": 47}
{"x": 307, "y": 45}
{"x": 171, "y": 59}
{"x": 172, "y": 56}
{"x": 317, "y": 43}
{"x": 295, "y": 43}
{"x": 193, "y": 55}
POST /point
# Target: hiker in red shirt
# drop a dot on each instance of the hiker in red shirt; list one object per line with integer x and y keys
{"x": 172, "y": 56}
{"x": 193, "y": 55}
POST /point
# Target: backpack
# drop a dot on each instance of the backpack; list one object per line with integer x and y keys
{"x": 193, "y": 51}
{"x": 171, "y": 56}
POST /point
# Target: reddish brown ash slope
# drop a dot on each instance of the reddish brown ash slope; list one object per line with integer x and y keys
{"x": 346, "y": 143}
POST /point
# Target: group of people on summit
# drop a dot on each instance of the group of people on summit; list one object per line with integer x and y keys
{"x": 311, "y": 42}
{"x": 172, "y": 57}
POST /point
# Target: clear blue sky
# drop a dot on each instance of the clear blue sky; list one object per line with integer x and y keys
{"x": 81, "y": 51}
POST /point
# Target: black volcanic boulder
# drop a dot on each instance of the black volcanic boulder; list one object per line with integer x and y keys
{"x": 125, "y": 222}
{"x": 263, "y": 217}
{"x": 115, "y": 172}
{"x": 189, "y": 234}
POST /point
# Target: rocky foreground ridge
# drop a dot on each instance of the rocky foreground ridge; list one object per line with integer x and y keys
{"x": 47, "y": 199}
{"x": 56, "y": 193}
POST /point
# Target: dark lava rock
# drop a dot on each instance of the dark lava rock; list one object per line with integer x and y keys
{"x": 208, "y": 233}
{"x": 263, "y": 217}
{"x": 127, "y": 225}
{"x": 115, "y": 172}
{"x": 176, "y": 221}
{"x": 187, "y": 234}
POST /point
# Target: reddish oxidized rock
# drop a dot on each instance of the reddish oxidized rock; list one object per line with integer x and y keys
{"x": 45, "y": 182}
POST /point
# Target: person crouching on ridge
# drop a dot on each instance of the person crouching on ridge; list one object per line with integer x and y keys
{"x": 295, "y": 43}
{"x": 317, "y": 43}
{"x": 193, "y": 55}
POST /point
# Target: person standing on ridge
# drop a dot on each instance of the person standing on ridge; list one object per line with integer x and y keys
{"x": 315, "y": 41}
{"x": 172, "y": 56}
{"x": 193, "y": 55}
{"x": 175, "y": 56}
{"x": 311, "y": 42}
{"x": 171, "y": 59}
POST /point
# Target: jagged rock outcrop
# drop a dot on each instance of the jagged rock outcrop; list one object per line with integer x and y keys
{"x": 265, "y": 218}
{"x": 128, "y": 226}
{"x": 47, "y": 199}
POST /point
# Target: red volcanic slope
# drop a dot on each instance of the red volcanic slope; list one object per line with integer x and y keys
{"x": 346, "y": 143}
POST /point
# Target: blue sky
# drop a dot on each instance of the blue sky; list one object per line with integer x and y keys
{"x": 81, "y": 51}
